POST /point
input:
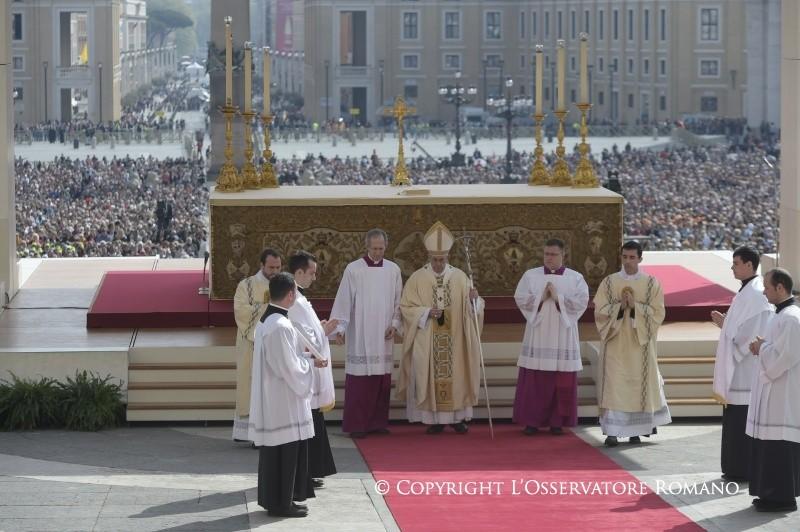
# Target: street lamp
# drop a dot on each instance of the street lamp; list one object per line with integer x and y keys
{"x": 327, "y": 91}
{"x": 44, "y": 67}
{"x": 100, "y": 80}
{"x": 508, "y": 108}
{"x": 485, "y": 83}
{"x": 458, "y": 95}
{"x": 380, "y": 70}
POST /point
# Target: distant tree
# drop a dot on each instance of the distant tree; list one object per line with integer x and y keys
{"x": 166, "y": 17}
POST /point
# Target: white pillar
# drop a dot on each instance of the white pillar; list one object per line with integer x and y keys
{"x": 8, "y": 244}
{"x": 789, "y": 243}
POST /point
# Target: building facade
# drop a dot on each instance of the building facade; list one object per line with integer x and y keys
{"x": 65, "y": 60}
{"x": 140, "y": 64}
{"x": 649, "y": 59}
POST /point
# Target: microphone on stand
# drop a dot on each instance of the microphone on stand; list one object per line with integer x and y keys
{"x": 203, "y": 290}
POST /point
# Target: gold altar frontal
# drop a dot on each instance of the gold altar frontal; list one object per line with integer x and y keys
{"x": 507, "y": 226}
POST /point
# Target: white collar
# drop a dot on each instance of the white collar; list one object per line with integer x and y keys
{"x": 280, "y": 307}
{"x": 626, "y": 277}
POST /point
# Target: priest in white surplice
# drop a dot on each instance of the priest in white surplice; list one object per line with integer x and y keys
{"x": 773, "y": 419}
{"x": 552, "y": 298}
{"x": 280, "y": 421}
{"x": 303, "y": 266}
{"x": 440, "y": 369}
{"x": 249, "y": 304}
{"x": 746, "y": 318}
{"x": 367, "y": 308}
{"x": 628, "y": 310}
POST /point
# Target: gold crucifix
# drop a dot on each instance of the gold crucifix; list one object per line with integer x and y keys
{"x": 399, "y": 111}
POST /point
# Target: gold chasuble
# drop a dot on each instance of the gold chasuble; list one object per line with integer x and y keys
{"x": 249, "y": 304}
{"x": 444, "y": 354}
{"x": 628, "y": 379}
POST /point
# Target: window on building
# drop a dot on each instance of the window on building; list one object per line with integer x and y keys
{"x": 452, "y": 61}
{"x": 709, "y": 24}
{"x": 410, "y": 92}
{"x": 353, "y": 35}
{"x": 615, "y": 65}
{"x": 493, "y": 28}
{"x": 646, "y": 67}
{"x": 646, "y": 24}
{"x": 601, "y": 97}
{"x": 18, "y": 94}
{"x": 586, "y": 21}
{"x": 572, "y": 96}
{"x": 560, "y": 25}
{"x": 452, "y": 25}
{"x": 630, "y": 24}
{"x": 410, "y": 61}
{"x": 600, "y": 65}
{"x": 630, "y": 66}
{"x": 662, "y": 67}
{"x": 493, "y": 60}
{"x": 547, "y": 93}
{"x": 546, "y": 24}
{"x": 16, "y": 26}
{"x": 615, "y": 25}
{"x": 573, "y": 24}
{"x": 709, "y": 68}
{"x": 600, "y": 24}
{"x": 534, "y": 24}
{"x": 18, "y": 63}
{"x": 708, "y": 104}
{"x": 662, "y": 25}
{"x": 522, "y": 17}
{"x": 522, "y": 61}
{"x": 630, "y": 100}
{"x": 662, "y": 103}
{"x": 410, "y": 25}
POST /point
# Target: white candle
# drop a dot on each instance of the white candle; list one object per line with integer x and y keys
{"x": 539, "y": 78}
{"x": 248, "y": 63}
{"x": 561, "y": 73}
{"x": 584, "y": 66}
{"x": 228, "y": 62}
{"x": 266, "y": 80}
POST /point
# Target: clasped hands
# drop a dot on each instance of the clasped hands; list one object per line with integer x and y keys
{"x": 550, "y": 292}
{"x": 627, "y": 300}
{"x": 755, "y": 345}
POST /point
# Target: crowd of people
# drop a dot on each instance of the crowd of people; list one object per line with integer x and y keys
{"x": 119, "y": 207}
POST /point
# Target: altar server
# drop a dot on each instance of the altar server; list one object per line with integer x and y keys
{"x": 746, "y": 318}
{"x": 552, "y": 298}
{"x": 773, "y": 419}
{"x": 367, "y": 308}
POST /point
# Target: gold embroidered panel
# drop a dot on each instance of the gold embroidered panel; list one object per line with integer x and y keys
{"x": 504, "y": 239}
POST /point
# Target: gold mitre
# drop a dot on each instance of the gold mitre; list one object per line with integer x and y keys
{"x": 438, "y": 240}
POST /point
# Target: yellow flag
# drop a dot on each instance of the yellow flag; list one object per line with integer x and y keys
{"x": 84, "y": 57}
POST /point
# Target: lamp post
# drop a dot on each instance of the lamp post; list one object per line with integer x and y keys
{"x": 485, "y": 82}
{"x": 507, "y": 108}
{"x": 380, "y": 70}
{"x": 327, "y": 91}
{"x": 44, "y": 67}
{"x": 458, "y": 95}
{"x": 100, "y": 81}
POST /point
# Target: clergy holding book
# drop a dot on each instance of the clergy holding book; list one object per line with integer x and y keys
{"x": 628, "y": 310}
{"x": 734, "y": 367}
{"x": 303, "y": 265}
{"x": 367, "y": 309}
{"x": 440, "y": 369}
{"x": 552, "y": 298}
{"x": 280, "y": 405}
{"x": 249, "y": 304}
{"x": 773, "y": 419}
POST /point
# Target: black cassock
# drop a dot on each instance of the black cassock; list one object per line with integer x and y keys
{"x": 283, "y": 475}
{"x": 775, "y": 470}
{"x": 320, "y": 456}
{"x": 735, "y": 454}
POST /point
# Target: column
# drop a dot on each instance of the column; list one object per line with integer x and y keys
{"x": 8, "y": 244}
{"x": 788, "y": 243}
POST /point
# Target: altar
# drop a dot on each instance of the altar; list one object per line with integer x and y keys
{"x": 506, "y": 226}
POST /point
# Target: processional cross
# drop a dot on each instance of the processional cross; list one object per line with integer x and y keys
{"x": 399, "y": 111}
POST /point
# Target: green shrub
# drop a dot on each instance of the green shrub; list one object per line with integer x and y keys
{"x": 89, "y": 402}
{"x": 27, "y": 404}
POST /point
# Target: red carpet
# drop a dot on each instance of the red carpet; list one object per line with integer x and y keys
{"x": 169, "y": 299}
{"x": 408, "y": 455}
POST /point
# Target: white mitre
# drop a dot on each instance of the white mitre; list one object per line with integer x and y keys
{"x": 438, "y": 240}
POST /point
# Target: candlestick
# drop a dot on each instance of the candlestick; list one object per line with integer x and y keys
{"x": 584, "y": 66}
{"x": 248, "y": 65}
{"x": 561, "y": 72}
{"x": 228, "y": 62}
{"x": 585, "y": 177}
{"x": 267, "y": 60}
{"x": 539, "y": 79}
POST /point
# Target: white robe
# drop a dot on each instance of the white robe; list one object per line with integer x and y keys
{"x": 305, "y": 319}
{"x": 774, "y": 412}
{"x": 734, "y": 367}
{"x": 249, "y": 304}
{"x": 551, "y": 337}
{"x": 280, "y": 401}
{"x": 367, "y": 303}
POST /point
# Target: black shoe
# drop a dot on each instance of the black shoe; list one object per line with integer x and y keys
{"x": 358, "y": 435}
{"x": 558, "y": 431}
{"x": 775, "y": 506}
{"x": 318, "y": 483}
{"x": 611, "y": 441}
{"x": 530, "y": 431}
{"x": 634, "y": 439}
{"x": 380, "y": 431}
{"x": 292, "y": 511}
{"x": 435, "y": 429}
{"x": 460, "y": 428}
{"x": 241, "y": 441}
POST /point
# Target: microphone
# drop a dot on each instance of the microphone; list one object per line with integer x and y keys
{"x": 203, "y": 290}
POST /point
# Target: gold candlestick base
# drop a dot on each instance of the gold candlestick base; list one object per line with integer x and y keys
{"x": 400, "y": 110}
{"x": 539, "y": 173}
{"x": 250, "y": 177}
{"x": 585, "y": 176}
{"x": 268, "y": 179}
{"x": 561, "y": 174}
{"x": 229, "y": 179}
